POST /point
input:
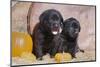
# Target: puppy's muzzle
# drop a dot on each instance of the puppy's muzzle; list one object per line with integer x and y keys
{"x": 56, "y": 29}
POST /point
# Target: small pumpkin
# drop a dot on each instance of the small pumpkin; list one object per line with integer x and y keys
{"x": 59, "y": 57}
{"x": 21, "y": 42}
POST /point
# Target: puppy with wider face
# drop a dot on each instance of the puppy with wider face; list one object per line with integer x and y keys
{"x": 51, "y": 24}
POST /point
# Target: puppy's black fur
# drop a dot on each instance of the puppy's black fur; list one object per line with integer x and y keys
{"x": 71, "y": 31}
{"x": 49, "y": 21}
{"x": 67, "y": 40}
{"x": 58, "y": 44}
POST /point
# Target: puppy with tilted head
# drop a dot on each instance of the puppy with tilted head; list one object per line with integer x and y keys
{"x": 71, "y": 32}
{"x": 50, "y": 24}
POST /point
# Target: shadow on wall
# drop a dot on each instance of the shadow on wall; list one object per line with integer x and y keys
{"x": 85, "y": 15}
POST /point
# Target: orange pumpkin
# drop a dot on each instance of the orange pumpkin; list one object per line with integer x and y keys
{"x": 21, "y": 42}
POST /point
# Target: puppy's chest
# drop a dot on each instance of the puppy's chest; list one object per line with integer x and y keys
{"x": 58, "y": 40}
{"x": 48, "y": 38}
{"x": 71, "y": 45}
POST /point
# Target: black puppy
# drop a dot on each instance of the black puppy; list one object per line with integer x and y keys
{"x": 71, "y": 31}
{"x": 51, "y": 24}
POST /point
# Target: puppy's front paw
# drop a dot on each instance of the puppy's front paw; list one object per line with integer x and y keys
{"x": 81, "y": 50}
{"x": 51, "y": 56}
{"x": 40, "y": 58}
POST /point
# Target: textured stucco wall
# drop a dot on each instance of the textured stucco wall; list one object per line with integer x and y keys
{"x": 19, "y": 16}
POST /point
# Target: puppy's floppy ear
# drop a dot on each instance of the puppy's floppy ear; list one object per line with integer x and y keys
{"x": 61, "y": 18}
{"x": 79, "y": 28}
{"x": 41, "y": 17}
{"x": 78, "y": 24}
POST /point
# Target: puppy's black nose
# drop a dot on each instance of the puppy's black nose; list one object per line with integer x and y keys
{"x": 55, "y": 25}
